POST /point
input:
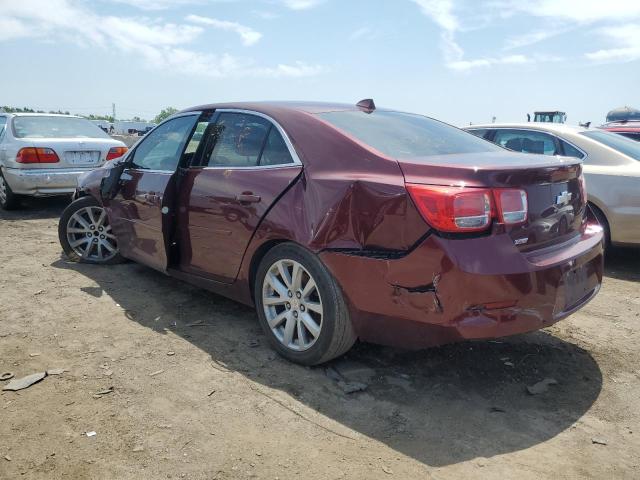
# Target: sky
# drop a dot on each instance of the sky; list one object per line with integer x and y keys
{"x": 461, "y": 61}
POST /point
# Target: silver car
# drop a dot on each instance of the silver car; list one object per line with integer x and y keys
{"x": 611, "y": 166}
{"x": 43, "y": 154}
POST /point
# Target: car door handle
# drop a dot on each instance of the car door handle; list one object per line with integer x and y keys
{"x": 247, "y": 197}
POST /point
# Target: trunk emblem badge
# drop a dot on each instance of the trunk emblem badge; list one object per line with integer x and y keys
{"x": 563, "y": 198}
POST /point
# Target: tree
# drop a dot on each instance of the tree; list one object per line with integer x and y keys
{"x": 165, "y": 113}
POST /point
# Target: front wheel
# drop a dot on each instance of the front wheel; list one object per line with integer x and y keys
{"x": 85, "y": 233}
{"x": 301, "y": 307}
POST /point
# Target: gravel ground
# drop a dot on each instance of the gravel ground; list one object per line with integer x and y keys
{"x": 190, "y": 389}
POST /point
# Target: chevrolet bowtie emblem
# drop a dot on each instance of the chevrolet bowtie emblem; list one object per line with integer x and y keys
{"x": 563, "y": 198}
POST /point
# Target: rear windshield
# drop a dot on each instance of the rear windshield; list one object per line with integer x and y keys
{"x": 399, "y": 135}
{"x": 617, "y": 142}
{"x": 55, "y": 127}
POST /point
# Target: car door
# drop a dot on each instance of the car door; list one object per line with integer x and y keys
{"x": 244, "y": 162}
{"x": 142, "y": 209}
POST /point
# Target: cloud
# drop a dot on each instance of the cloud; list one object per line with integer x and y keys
{"x": 465, "y": 65}
{"x": 582, "y": 11}
{"x": 11, "y": 28}
{"x": 534, "y": 37}
{"x": 158, "y": 4}
{"x": 558, "y": 17}
{"x": 364, "y": 33}
{"x": 627, "y": 40}
{"x": 441, "y": 13}
{"x": 298, "y": 69}
{"x": 301, "y": 4}
{"x": 247, "y": 34}
{"x": 159, "y": 45}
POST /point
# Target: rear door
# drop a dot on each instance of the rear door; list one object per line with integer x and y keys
{"x": 244, "y": 162}
{"x": 142, "y": 211}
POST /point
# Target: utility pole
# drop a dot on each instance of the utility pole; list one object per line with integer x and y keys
{"x": 113, "y": 108}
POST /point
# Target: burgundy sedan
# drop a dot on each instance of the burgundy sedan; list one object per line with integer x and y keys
{"x": 345, "y": 222}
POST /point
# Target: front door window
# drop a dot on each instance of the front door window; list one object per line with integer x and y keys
{"x": 161, "y": 149}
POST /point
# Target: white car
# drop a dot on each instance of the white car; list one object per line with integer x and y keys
{"x": 611, "y": 167}
{"x": 44, "y": 154}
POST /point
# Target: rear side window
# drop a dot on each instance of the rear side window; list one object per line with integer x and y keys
{"x": 526, "y": 141}
{"x": 275, "y": 150}
{"x": 3, "y": 126}
{"x": 617, "y": 142}
{"x": 55, "y": 127}
{"x": 237, "y": 140}
{"x": 570, "y": 151}
{"x": 404, "y": 135}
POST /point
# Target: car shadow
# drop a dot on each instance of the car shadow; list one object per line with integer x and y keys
{"x": 440, "y": 406}
{"x": 32, "y": 208}
{"x": 623, "y": 263}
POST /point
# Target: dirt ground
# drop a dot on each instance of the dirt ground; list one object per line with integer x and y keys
{"x": 194, "y": 397}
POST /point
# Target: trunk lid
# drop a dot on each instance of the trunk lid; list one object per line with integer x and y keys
{"x": 555, "y": 200}
{"x": 74, "y": 152}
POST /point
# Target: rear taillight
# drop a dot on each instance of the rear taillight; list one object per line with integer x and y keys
{"x": 468, "y": 209}
{"x": 116, "y": 152}
{"x": 453, "y": 209}
{"x": 511, "y": 205}
{"x": 37, "y": 155}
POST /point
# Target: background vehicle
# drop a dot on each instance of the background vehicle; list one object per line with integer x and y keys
{"x": 626, "y": 128}
{"x": 43, "y": 154}
{"x": 623, "y": 114}
{"x": 554, "y": 116}
{"x": 611, "y": 166}
{"x": 344, "y": 221}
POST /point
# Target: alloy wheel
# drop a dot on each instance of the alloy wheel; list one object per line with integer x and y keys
{"x": 292, "y": 304}
{"x": 89, "y": 234}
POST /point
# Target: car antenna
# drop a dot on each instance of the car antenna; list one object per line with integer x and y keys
{"x": 366, "y": 105}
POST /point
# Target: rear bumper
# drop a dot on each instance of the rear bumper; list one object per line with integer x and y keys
{"x": 450, "y": 290}
{"x": 43, "y": 181}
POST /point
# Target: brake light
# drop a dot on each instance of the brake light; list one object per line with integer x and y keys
{"x": 116, "y": 152}
{"x": 468, "y": 209}
{"x": 512, "y": 205}
{"x": 453, "y": 209}
{"x": 37, "y": 155}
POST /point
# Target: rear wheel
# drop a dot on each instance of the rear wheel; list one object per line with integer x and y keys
{"x": 8, "y": 199}
{"x": 85, "y": 233}
{"x": 301, "y": 307}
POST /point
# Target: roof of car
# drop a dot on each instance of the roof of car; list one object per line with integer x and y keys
{"x": 25, "y": 114}
{"x": 547, "y": 126}
{"x": 270, "y": 106}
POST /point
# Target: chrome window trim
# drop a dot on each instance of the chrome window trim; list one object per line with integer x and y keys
{"x": 144, "y": 170}
{"x": 287, "y": 141}
{"x": 537, "y": 130}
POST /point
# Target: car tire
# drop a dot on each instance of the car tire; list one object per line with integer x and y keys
{"x": 602, "y": 220}
{"x": 308, "y": 282}
{"x": 8, "y": 199}
{"x": 86, "y": 243}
